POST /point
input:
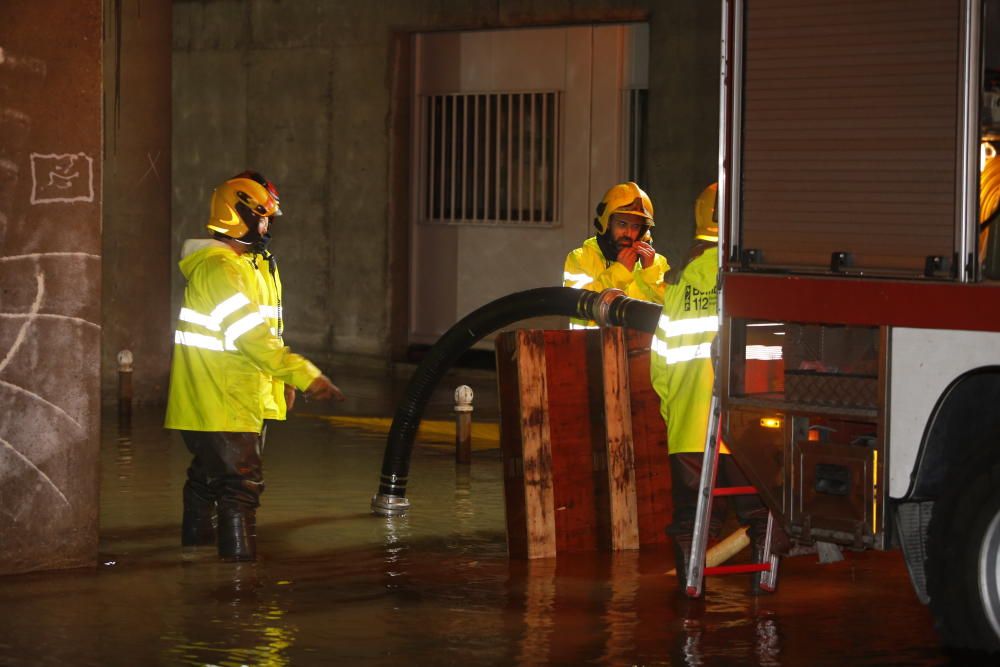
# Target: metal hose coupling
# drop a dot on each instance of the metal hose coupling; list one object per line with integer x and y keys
{"x": 604, "y": 312}
{"x": 611, "y": 308}
{"x": 388, "y": 505}
{"x": 390, "y": 501}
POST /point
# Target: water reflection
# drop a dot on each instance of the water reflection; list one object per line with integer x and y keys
{"x": 237, "y": 622}
{"x": 434, "y": 587}
{"x": 123, "y": 458}
{"x": 464, "y": 506}
{"x": 539, "y": 607}
{"x": 620, "y": 617}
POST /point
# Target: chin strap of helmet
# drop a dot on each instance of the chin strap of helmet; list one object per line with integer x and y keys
{"x": 272, "y": 268}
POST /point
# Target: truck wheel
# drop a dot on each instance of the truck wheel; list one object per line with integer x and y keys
{"x": 963, "y": 559}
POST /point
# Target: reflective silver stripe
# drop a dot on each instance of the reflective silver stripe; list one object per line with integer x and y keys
{"x": 213, "y": 322}
{"x": 578, "y": 279}
{"x": 188, "y": 315}
{"x": 229, "y": 306}
{"x": 658, "y": 347}
{"x": 240, "y": 327}
{"x": 191, "y": 339}
{"x": 270, "y": 311}
{"x": 574, "y": 325}
{"x": 691, "y": 325}
{"x": 676, "y": 355}
{"x": 763, "y": 352}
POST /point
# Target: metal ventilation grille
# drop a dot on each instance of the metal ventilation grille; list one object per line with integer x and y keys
{"x": 490, "y": 158}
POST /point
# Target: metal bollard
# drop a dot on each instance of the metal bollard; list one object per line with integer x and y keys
{"x": 125, "y": 384}
{"x": 463, "y": 424}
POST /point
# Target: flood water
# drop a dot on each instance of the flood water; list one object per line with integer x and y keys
{"x": 334, "y": 583}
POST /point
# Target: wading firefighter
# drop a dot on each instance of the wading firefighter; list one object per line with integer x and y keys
{"x": 231, "y": 373}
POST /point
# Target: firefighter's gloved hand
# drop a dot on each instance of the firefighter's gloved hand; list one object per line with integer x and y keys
{"x": 321, "y": 389}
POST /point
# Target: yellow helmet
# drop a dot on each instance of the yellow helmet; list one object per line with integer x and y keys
{"x": 705, "y": 218}
{"x": 240, "y": 203}
{"x": 623, "y": 198}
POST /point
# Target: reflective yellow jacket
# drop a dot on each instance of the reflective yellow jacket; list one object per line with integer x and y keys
{"x": 587, "y": 268}
{"x": 681, "y": 361}
{"x": 229, "y": 363}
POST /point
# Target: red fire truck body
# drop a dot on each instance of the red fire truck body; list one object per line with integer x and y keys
{"x": 860, "y": 318}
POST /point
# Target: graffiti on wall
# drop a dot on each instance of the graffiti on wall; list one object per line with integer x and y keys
{"x": 61, "y": 178}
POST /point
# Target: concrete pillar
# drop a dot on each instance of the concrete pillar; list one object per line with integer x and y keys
{"x": 50, "y": 282}
{"x": 136, "y": 313}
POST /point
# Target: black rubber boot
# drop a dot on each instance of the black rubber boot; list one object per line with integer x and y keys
{"x": 237, "y": 534}
{"x": 198, "y": 520}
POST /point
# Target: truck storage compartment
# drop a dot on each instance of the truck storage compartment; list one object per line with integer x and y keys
{"x": 848, "y": 136}
{"x": 821, "y": 365}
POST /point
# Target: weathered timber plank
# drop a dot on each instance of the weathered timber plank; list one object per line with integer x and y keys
{"x": 536, "y": 445}
{"x": 510, "y": 444}
{"x": 619, "y": 450}
{"x": 649, "y": 437}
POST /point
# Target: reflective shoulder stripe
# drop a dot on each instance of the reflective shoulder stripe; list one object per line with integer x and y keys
{"x": 194, "y": 317}
{"x": 270, "y": 311}
{"x": 191, "y": 339}
{"x": 240, "y": 327}
{"x": 578, "y": 279}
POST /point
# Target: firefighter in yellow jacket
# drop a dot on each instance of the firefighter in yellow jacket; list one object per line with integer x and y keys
{"x": 621, "y": 254}
{"x": 231, "y": 372}
{"x": 682, "y": 374}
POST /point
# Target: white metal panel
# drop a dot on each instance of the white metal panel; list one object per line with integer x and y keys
{"x": 482, "y": 262}
{"x": 924, "y": 362}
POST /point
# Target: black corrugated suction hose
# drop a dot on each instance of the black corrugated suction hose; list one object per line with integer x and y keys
{"x": 610, "y": 308}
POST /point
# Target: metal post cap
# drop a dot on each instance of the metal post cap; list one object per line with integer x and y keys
{"x": 463, "y": 398}
{"x": 125, "y": 361}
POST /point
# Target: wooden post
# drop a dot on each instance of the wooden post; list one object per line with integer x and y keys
{"x": 582, "y": 424}
{"x": 536, "y": 445}
{"x": 619, "y": 446}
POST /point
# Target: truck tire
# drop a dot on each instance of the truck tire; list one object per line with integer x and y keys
{"x": 963, "y": 559}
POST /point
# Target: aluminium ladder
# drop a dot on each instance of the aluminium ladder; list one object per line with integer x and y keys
{"x": 697, "y": 571}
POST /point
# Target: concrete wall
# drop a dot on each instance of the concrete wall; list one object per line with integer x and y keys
{"x": 314, "y": 95}
{"x": 50, "y": 282}
{"x": 136, "y": 312}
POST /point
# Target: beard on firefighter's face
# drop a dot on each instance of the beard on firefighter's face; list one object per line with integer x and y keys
{"x": 626, "y": 229}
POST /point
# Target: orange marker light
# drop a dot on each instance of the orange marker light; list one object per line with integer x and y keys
{"x": 770, "y": 422}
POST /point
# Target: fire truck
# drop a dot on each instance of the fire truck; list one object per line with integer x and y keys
{"x": 859, "y": 373}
